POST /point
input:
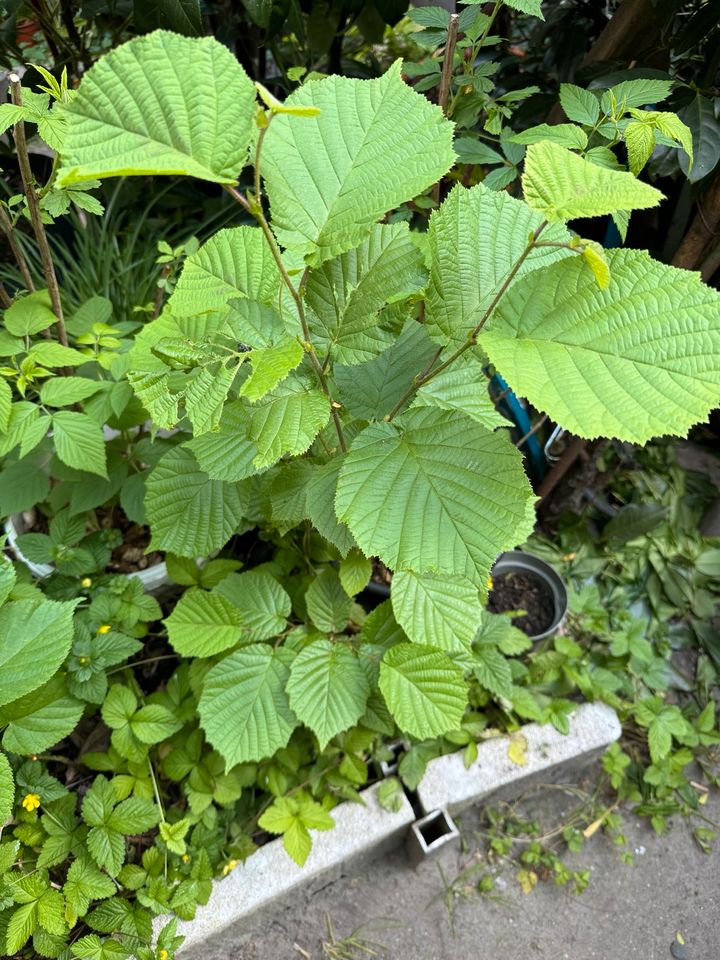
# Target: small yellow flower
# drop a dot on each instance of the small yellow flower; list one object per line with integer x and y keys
{"x": 31, "y": 801}
{"x": 185, "y": 858}
{"x": 86, "y": 582}
{"x": 83, "y": 659}
{"x": 163, "y": 955}
{"x": 230, "y": 866}
{"x": 104, "y": 628}
{"x": 489, "y": 584}
{"x": 569, "y": 556}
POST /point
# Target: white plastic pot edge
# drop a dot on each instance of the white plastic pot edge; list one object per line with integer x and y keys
{"x": 153, "y": 578}
{"x": 362, "y": 833}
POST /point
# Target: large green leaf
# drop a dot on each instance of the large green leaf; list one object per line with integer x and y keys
{"x": 7, "y": 788}
{"x": 190, "y": 514}
{"x": 562, "y": 186}
{"x": 374, "y": 144}
{"x": 425, "y": 691}
{"x": 79, "y": 442}
{"x": 345, "y": 295}
{"x": 263, "y": 603}
{"x": 228, "y": 453}
{"x": 244, "y": 709}
{"x": 370, "y": 390}
{"x": 437, "y": 611}
{"x": 162, "y": 104}
{"x": 321, "y": 487}
{"x": 203, "y": 624}
{"x": 235, "y": 262}
{"x": 287, "y": 420}
{"x": 464, "y": 387}
{"x": 474, "y": 240}
{"x": 328, "y": 688}
{"x": 40, "y": 719}
{"x": 634, "y": 361}
{"x": 434, "y": 492}
{"x": 328, "y": 605}
{"x": 36, "y": 638}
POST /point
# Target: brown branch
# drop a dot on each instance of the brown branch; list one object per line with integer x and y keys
{"x": 7, "y": 228}
{"x": 5, "y": 300}
{"x": 702, "y": 232}
{"x": 33, "y": 203}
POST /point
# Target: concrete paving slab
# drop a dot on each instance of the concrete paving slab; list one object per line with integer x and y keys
{"x": 627, "y": 913}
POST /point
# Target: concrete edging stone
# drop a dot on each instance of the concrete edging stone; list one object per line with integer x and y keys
{"x": 363, "y": 832}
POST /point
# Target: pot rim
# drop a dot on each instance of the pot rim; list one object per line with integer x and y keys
{"x": 521, "y": 561}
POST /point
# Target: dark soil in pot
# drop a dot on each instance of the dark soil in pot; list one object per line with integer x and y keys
{"x": 526, "y": 592}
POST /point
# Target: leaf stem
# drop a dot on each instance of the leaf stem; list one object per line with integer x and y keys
{"x": 255, "y": 210}
{"x": 471, "y": 340}
{"x": 33, "y": 203}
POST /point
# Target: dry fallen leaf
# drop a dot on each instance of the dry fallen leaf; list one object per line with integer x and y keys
{"x": 517, "y": 749}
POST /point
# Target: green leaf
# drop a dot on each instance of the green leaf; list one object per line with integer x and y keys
{"x": 498, "y": 631}
{"x": 243, "y": 708}
{"x": 269, "y": 366}
{"x": 263, "y": 604}
{"x": 371, "y": 390}
{"x": 85, "y": 883}
{"x": 37, "y": 635}
{"x": 355, "y": 572}
{"x": 474, "y": 239}
{"x": 326, "y": 191}
{"x": 425, "y": 691}
{"x": 493, "y": 671}
{"x": 206, "y": 394}
{"x": 20, "y": 928}
{"x": 64, "y": 391}
{"x": 328, "y": 605}
{"x": 180, "y": 16}
{"x": 579, "y": 105}
{"x": 7, "y": 789}
{"x": 562, "y": 186}
{"x": 699, "y": 115}
{"x": 321, "y": 488}
{"x": 79, "y": 442}
{"x": 133, "y": 816}
{"x": 22, "y": 485}
{"x": 235, "y": 262}
{"x": 115, "y": 128}
{"x": 51, "y": 912}
{"x": 29, "y": 315}
{"x": 640, "y": 143}
{"x": 634, "y": 361}
{"x": 532, "y": 8}
{"x": 327, "y": 688}
{"x": 436, "y": 611}
{"x": 345, "y": 296}
{"x": 203, "y": 624}
{"x": 286, "y": 421}
{"x": 636, "y": 93}
{"x": 462, "y": 387}
{"x": 293, "y": 817}
{"x": 92, "y": 947}
{"x": 173, "y": 835}
{"x": 190, "y": 514}
{"x": 228, "y": 453}
{"x": 154, "y": 723}
{"x": 51, "y": 354}
{"x": 474, "y": 493}
{"x": 40, "y": 719}
{"x": 5, "y": 405}
{"x": 564, "y": 134}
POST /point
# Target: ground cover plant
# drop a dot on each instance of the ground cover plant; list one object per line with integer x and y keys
{"x": 321, "y": 376}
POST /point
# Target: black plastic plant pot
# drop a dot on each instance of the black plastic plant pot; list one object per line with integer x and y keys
{"x": 526, "y": 568}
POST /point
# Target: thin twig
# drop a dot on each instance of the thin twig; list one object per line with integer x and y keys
{"x": 444, "y": 91}
{"x": 6, "y": 225}
{"x": 35, "y": 216}
{"x": 533, "y": 430}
